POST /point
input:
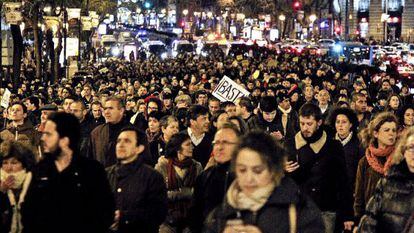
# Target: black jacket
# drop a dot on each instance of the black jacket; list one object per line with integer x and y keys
{"x": 202, "y": 151}
{"x": 5, "y": 213}
{"x": 273, "y": 216}
{"x": 140, "y": 195}
{"x": 209, "y": 191}
{"x": 322, "y": 174}
{"x": 78, "y": 199}
{"x": 392, "y": 204}
{"x": 258, "y": 123}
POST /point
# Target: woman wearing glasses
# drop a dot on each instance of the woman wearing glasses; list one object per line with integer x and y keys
{"x": 391, "y": 207}
{"x": 261, "y": 199}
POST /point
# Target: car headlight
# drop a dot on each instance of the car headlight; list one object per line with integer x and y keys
{"x": 115, "y": 51}
{"x": 164, "y": 55}
{"x": 338, "y": 48}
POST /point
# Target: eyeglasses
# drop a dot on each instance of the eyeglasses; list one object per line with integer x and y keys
{"x": 223, "y": 143}
{"x": 409, "y": 148}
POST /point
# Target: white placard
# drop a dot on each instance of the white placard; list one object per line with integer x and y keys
{"x": 5, "y": 100}
{"x": 228, "y": 90}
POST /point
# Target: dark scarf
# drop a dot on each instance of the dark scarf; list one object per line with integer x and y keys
{"x": 189, "y": 178}
{"x": 315, "y": 137}
{"x": 152, "y": 136}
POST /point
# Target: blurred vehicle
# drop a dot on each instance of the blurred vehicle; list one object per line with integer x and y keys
{"x": 181, "y": 46}
{"x": 354, "y": 52}
{"x": 156, "y": 48}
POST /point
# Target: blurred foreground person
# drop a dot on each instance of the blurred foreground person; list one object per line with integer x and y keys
{"x": 261, "y": 199}
{"x": 15, "y": 177}
{"x": 392, "y": 204}
{"x": 68, "y": 192}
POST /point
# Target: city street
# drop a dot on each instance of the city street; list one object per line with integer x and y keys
{"x": 210, "y": 116}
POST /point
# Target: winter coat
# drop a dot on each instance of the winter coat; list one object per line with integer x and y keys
{"x": 103, "y": 142}
{"x": 5, "y": 213}
{"x": 258, "y": 123}
{"x": 25, "y": 134}
{"x": 209, "y": 191}
{"x": 77, "y": 199}
{"x": 181, "y": 197}
{"x": 274, "y": 215}
{"x": 392, "y": 203}
{"x": 140, "y": 196}
{"x": 365, "y": 183}
{"x": 353, "y": 152}
{"x": 322, "y": 173}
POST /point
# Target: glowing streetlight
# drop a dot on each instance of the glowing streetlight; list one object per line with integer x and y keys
{"x": 139, "y": 10}
{"x": 185, "y": 12}
{"x": 210, "y": 14}
{"x": 163, "y": 11}
{"x": 282, "y": 17}
{"x": 312, "y": 18}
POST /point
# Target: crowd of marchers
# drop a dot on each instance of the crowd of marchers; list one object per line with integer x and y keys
{"x": 145, "y": 146}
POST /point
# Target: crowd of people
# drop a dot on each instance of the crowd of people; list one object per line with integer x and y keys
{"x": 145, "y": 146}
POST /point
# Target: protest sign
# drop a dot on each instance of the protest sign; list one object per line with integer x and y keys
{"x": 228, "y": 90}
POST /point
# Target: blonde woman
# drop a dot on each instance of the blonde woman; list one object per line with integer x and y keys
{"x": 391, "y": 207}
{"x": 379, "y": 139}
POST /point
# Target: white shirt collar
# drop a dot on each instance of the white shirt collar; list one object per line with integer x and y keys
{"x": 196, "y": 141}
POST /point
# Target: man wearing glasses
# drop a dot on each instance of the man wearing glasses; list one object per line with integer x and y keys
{"x": 212, "y": 184}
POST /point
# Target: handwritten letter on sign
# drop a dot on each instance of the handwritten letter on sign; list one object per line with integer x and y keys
{"x": 228, "y": 90}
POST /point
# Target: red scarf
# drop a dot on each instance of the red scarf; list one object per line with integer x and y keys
{"x": 372, "y": 153}
{"x": 189, "y": 177}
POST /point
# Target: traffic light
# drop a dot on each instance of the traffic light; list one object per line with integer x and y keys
{"x": 296, "y": 5}
{"x": 338, "y": 30}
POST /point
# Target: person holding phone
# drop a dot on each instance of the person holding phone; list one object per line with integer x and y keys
{"x": 267, "y": 118}
{"x": 317, "y": 164}
{"x": 261, "y": 199}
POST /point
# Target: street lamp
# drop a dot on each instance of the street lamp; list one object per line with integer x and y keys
{"x": 282, "y": 19}
{"x": 312, "y": 19}
{"x": 384, "y": 19}
{"x": 185, "y": 12}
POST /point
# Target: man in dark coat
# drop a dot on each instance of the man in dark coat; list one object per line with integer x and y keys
{"x": 198, "y": 127}
{"x": 212, "y": 184}
{"x": 317, "y": 164}
{"x": 103, "y": 137}
{"x": 68, "y": 192}
{"x": 267, "y": 119}
{"x": 140, "y": 191}
{"x": 78, "y": 108}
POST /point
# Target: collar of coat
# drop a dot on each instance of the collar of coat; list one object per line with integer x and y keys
{"x": 316, "y": 146}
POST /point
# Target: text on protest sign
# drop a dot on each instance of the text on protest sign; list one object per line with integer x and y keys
{"x": 228, "y": 90}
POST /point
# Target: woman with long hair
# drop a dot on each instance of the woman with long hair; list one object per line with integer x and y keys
{"x": 391, "y": 207}
{"x": 379, "y": 139}
{"x": 180, "y": 171}
{"x": 406, "y": 117}
{"x": 261, "y": 198}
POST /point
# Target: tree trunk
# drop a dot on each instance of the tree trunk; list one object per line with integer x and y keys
{"x": 57, "y": 56}
{"x": 37, "y": 44}
{"x": 17, "y": 53}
